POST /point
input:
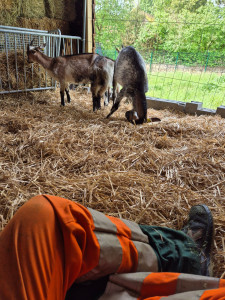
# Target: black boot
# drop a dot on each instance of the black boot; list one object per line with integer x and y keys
{"x": 200, "y": 228}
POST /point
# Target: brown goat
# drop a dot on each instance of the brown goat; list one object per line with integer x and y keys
{"x": 79, "y": 68}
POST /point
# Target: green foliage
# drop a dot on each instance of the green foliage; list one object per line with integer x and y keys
{"x": 147, "y": 5}
{"x": 108, "y": 30}
{"x": 170, "y": 25}
{"x": 187, "y": 31}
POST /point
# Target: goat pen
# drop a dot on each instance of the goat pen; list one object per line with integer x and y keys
{"x": 16, "y": 75}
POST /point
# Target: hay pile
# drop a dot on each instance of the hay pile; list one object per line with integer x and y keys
{"x": 46, "y": 15}
{"x": 151, "y": 174}
{"x": 35, "y": 73}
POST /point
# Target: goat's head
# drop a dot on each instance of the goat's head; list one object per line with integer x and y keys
{"x": 138, "y": 114}
{"x": 33, "y": 52}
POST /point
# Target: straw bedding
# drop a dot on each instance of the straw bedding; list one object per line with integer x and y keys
{"x": 151, "y": 174}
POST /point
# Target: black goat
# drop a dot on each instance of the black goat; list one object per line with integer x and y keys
{"x": 130, "y": 73}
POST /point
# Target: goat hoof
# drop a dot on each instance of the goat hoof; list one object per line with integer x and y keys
{"x": 129, "y": 116}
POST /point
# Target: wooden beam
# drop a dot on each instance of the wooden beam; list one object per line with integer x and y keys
{"x": 89, "y": 27}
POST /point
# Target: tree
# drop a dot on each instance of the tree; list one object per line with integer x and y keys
{"x": 169, "y": 25}
{"x": 187, "y": 31}
{"x": 110, "y": 21}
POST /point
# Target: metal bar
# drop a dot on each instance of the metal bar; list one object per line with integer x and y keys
{"x": 28, "y": 90}
{"x": 32, "y": 68}
{"x": 21, "y": 29}
{"x": 7, "y": 61}
{"x": 39, "y": 69}
{"x": 44, "y": 34}
{"x": 64, "y": 46}
{"x": 17, "y": 83}
{"x": 44, "y": 41}
{"x": 24, "y": 66}
{"x": 78, "y": 50}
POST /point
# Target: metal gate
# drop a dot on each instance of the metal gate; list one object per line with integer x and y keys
{"x": 16, "y": 75}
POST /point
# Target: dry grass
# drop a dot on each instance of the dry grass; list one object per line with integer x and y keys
{"x": 47, "y": 15}
{"x": 151, "y": 174}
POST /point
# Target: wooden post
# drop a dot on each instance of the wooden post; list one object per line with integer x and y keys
{"x": 89, "y": 29}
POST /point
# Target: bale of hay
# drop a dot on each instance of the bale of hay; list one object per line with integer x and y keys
{"x": 44, "y": 24}
{"x": 44, "y": 15}
{"x": 151, "y": 174}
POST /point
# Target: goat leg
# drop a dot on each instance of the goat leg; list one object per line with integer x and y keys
{"x": 107, "y": 97}
{"x": 117, "y": 103}
{"x": 96, "y": 102}
{"x": 114, "y": 90}
{"x": 113, "y": 109}
{"x": 62, "y": 97}
{"x": 68, "y": 95}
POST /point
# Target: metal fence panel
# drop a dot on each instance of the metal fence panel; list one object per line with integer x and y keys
{"x": 16, "y": 74}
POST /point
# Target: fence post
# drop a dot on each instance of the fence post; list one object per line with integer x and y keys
{"x": 176, "y": 60}
{"x": 207, "y": 61}
{"x": 150, "y": 67}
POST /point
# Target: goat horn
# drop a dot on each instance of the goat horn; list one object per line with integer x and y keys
{"x": 31, "y": 43}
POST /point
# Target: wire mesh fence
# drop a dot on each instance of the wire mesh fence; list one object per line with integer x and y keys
{"x": 182, "y": 43}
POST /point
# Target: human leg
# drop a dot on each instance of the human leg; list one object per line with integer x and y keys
{"x": 186, "y": 251}
{"x": 30, "y": 254}
{"x": 175, "y": 250}
{"x": 44, "y": 249}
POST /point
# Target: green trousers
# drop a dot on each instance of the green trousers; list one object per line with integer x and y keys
{"x": 176, "y": 251}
